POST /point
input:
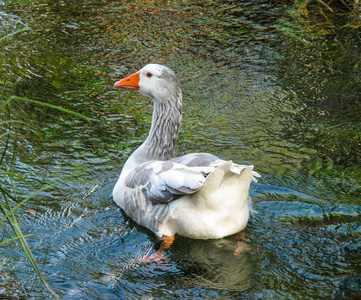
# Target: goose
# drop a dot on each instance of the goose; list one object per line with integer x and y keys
{"x": 196, "y": 195}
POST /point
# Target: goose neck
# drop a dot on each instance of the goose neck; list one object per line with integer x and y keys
{"x": 164, "y": 130}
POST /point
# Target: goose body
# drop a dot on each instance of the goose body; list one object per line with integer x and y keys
{"x": 196, "y": 195}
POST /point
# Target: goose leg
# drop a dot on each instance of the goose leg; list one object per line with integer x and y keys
{"x": 167, "y": 242}
{"x": 158, "y": 255}
{"x": 239, "y": 236}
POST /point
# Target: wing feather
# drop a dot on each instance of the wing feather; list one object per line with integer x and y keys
{"x": 164, "y": 181}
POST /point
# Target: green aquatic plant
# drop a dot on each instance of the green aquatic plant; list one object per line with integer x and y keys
{"x": 11, "y": 200}
{"x": 10, "y": 217}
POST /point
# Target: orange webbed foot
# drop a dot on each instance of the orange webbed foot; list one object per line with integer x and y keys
{"x": 159, "y": 256}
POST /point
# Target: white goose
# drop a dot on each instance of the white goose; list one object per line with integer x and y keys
{"x": 196, "y": 195}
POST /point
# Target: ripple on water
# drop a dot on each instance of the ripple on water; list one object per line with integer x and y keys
{"x": 304, "y": 242}
{"x": 297, "y": 247}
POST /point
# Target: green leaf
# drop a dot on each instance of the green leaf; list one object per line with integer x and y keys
{"x": 15, "y": 32}
{"x": 16, "y": 121}
{"x": 45, "y": 104}
{"x": 11, "y": 210}
{"x": 15, "y": 238}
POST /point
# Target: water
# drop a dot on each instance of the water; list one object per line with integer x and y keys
{"x": 259, "y": 88}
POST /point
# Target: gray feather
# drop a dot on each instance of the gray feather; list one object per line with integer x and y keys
{"x": 164, "y": 181}
{"x": 138, "y": 176}
{"x": 196, "y": 159}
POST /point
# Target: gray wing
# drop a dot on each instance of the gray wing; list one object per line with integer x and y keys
{"x": 164, "y": 181}
{"x": 196, "y": 159}
{"x": 211, "y": 162}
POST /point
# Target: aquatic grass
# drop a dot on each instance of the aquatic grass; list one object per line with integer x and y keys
{"x": 9, "y": 191}
{"x": 14, "y": 33}
{"x": 11, "y": 201}
{"x": 11, "y": 98}
{"x": 8, "y": 211}
{"x": 13, "y": 222}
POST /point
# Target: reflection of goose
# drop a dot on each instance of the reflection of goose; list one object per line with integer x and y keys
{"x": 212, "y": 265}
{"x": 196, "y": 195}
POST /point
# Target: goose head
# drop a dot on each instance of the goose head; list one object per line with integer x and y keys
{"x": 155, "y": 81}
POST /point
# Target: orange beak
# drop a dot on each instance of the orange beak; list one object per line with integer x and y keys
{"x": 130, "y": 82}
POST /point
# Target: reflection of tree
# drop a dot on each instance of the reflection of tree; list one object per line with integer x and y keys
{"x": 326, "y": 74}
{"x": 350, "y": 4}
{"x": 315, "y": 53}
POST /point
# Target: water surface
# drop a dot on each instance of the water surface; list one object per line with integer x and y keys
{"x": 262, "y": 85}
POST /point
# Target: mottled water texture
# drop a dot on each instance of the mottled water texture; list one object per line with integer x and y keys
{"x": 262, "y": 84}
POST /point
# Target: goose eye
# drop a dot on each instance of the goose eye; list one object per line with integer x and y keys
{"x": 149, "y": 74}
